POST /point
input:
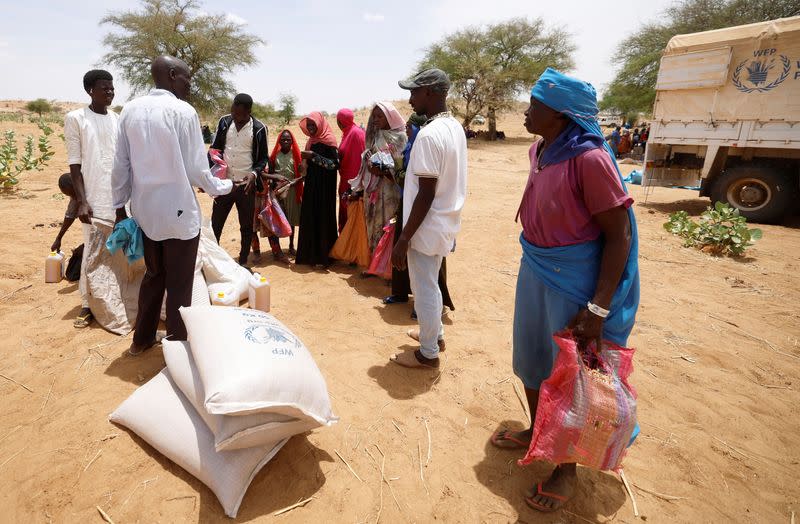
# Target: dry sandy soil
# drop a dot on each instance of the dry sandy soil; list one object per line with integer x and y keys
{"x": 717, "y": 373}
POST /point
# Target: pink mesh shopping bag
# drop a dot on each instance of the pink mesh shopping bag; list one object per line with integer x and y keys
{"x": 381, "y": 263}
{"x": 587, "y": 408}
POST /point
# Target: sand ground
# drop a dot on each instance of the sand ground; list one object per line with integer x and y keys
{"x": 717, "y": 373}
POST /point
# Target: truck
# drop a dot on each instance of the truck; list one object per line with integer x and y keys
{"x": 726, "y": 117}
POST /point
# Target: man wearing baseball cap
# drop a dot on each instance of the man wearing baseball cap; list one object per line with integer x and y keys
{"x": 436, "y": 187}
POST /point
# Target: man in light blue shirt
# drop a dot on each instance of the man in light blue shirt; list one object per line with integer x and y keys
{"x": 160, "y": 155}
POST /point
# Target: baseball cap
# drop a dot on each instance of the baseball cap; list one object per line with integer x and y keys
{"x": 427, "y": 78}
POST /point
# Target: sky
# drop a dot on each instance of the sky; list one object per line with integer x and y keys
{"x": 330, "y": 54}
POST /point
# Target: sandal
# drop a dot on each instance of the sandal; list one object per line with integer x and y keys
{"x": 394, "y": 299}
{"x": 559, "y": 499}
{"x": 504, "y": 439}
{"x": 134, "y": 350}
{"x": 414, "y": 335}
{"x": 414, "y": 359}
{"x": 83, "y": 321}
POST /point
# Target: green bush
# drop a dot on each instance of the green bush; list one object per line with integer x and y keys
{"x": 720, "y": 231}
{"x": 12, "y": 165}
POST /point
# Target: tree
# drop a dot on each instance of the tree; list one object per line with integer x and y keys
{"x": 39, "y": 106}
{"x": 212, "y": 45}
{"x": 288, "y": 104}
{"x": 263, "y": 112}
{"x": 638, "y": 57}
{"x": 491, "y": 66}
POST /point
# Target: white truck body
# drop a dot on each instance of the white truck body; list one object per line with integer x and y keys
{"x": 727, "y": 117}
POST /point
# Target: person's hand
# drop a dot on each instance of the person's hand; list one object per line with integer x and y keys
{"x": 248, "y": 182}
{"x": 85, "y": 212}
{"x": 307, "y": 155}
{"x": 56, "y": 247}
{"x": 121, "y": 215}
{"x": 587, "y": 327}
{"x": 399, "y": 254}
{"x": 375, "y": 170}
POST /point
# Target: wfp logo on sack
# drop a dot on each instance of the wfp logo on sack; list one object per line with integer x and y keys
{"x": 764, "y": 72}
{"x": 281, "y": 342}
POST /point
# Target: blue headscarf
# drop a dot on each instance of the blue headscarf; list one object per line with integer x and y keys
{"x": 572, "y": 270}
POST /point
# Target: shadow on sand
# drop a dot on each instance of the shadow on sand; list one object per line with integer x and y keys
{"x": 282, "y": 482}
{"x": 597, "y": 493}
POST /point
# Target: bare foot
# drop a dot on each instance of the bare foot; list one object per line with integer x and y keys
{"x": 556, "y": 491}
{"x": 506, "y": 439}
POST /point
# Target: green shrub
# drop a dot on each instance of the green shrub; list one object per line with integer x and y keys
{"x": 12, "y": 165}
{"x": 720, "y": 231}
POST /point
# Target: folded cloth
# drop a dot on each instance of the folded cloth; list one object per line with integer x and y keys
{"x": 127, "y": 236}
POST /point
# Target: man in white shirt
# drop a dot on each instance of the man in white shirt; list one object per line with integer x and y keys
{"x": 160, "y": 156}
{"x": 90, "y": 134}
{"x": 436, "y": 185}
{"x": 243, "y": 142}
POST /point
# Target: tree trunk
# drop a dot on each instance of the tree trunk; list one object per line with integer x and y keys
{"x": 492, "y": 117}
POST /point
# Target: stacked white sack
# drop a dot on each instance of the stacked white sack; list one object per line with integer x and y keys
{"x": 160, "y": 414}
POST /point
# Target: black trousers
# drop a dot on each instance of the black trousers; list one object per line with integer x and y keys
{"x": 245, "y": 207}
{"x": 170, "y": 267}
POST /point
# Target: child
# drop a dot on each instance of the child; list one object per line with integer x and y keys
{"x": 65, "y": 185}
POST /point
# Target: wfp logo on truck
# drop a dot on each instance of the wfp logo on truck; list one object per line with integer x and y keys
{"x": 763, "y": 72}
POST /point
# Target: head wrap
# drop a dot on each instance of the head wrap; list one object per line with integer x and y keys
{"x": 324, "y": 133}
{"x": 346, "y": 118}
{"x": 298, "y": 193}
{"x": 393, "y": 116}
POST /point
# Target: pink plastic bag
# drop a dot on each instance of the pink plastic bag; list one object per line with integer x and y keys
{"x": 220, "y": 167}
{"x": 585, "y": 415}
{"x": 273, "y": 218}
{"x": 381, "y": 263}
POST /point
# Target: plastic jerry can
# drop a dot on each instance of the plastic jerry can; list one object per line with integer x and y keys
{"x": 222, "y": 298}
{"x": 259, "y": 293}
{"x": 54, "y": 267}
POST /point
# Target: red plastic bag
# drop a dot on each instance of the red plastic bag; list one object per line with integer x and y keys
{"x": 381, "y": 263}
{"x": 273, "y": 218}
{"x": 220, "y": 167}
{"x": 586, "y": 414}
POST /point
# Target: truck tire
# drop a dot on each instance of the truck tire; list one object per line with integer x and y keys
{"x": 760, "y": 193}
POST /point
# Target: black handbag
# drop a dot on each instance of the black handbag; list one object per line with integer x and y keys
{"x": 73, "y": 272}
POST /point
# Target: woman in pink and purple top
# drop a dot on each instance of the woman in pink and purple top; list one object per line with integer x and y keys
{"x": 580, "y": 251}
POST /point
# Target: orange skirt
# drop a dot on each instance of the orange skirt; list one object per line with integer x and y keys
{"x": 352, "y": 245}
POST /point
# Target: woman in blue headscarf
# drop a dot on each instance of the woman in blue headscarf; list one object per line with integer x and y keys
{"x": 579, "y": 266}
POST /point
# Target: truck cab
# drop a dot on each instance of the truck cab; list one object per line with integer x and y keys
{"x": 727, "y": 117}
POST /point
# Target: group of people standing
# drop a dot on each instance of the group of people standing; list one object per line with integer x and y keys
{"x": 623, "y": 141}
{"x": 579, "y": 266}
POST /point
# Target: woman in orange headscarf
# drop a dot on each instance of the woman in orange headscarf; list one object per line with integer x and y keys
{"x": 318, "y": 227}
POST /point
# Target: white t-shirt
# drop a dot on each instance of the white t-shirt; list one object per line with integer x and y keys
{"x": 440, "y": 151}
{"x": 91, "y": 142}
{"x": 239, "y": 150}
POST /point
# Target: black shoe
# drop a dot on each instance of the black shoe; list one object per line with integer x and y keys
{"x": 394, "y": 299}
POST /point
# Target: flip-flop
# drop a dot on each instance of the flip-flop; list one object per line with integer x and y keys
{"x": 411, "y": 359}
{"x": 138, "y": 350}
{"x": 392, "y": 299}
{"x": 414, "y": 335}
{"x": 560, "y": 500}
{"x": 504, "y": 435}
{"x": 83, "y": 320}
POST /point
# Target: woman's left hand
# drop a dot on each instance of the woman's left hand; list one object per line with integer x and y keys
{"x": 587, "y": 327}
{"x": 307, "y": 155}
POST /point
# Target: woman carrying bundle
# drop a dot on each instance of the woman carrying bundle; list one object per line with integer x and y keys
{"x": 381, "y": 161}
